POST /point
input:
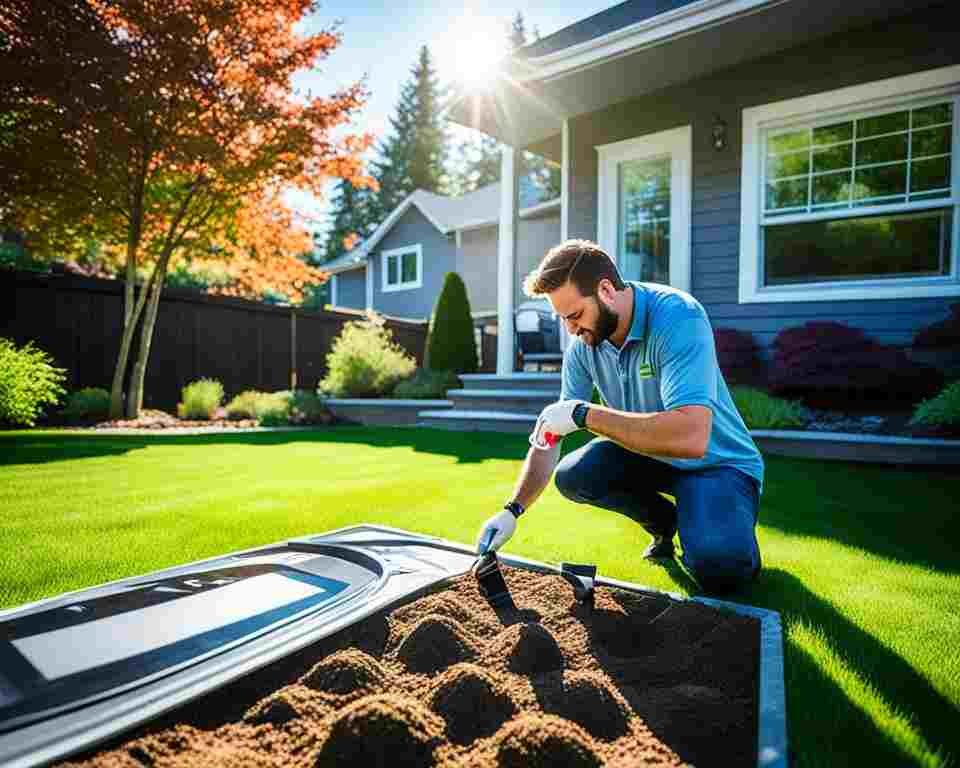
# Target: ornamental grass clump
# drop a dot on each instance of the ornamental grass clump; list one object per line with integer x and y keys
{"x": 761, "y": 411}
{"x": 28, "y": 382}
{"x": 365, "y": 361}
{"x": 248, "y": 405}
{"x": 200, "y": 400}
{"x": 942, "y": 410}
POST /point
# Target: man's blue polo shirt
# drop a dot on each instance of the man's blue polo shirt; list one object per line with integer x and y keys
{"x": 667, "y": 360}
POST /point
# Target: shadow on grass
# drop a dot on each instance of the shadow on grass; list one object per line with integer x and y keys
{"x": 818, "y": 706}
{"x": 902, "y": 513}
{"x": 467, "y": 447}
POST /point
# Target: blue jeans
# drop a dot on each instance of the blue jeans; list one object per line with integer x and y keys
{"x": 715, "y": 513}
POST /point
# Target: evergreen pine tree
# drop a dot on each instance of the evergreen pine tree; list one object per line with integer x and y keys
{"x": 518, "y": 32}
{"x": 413, "y": 155}
{"x": 350, "y": 217}
{"x": 451, "y": 345}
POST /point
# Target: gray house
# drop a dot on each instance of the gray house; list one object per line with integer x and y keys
{"x": 399, "y": 269}
{"x": 782, "y": 160}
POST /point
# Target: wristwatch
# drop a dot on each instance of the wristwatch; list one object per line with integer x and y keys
{"x": 515, "y": 509}
{"x": 579, "y": 415}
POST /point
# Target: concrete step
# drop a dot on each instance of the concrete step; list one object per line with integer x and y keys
{"x": 529, "y": 401}
{"x": 541, "y": 381}
{"x": 477, "y": 421}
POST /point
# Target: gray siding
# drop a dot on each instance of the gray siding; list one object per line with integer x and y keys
{"x": 439, "y": 257}
{"x": 925, "y": 40}
{"x": 477, "y": 265}
{"x": 352, "y": 289}
{"x": 477, "y": 258}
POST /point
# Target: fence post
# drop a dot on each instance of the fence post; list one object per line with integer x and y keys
{"x": 293, "y": 349}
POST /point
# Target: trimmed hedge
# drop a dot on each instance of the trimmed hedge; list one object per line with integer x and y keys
{"x": 830, "y": 364}
{"x": 88, "y": 403}
{"x": 451, "y": 345}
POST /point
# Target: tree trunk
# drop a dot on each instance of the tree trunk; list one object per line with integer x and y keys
{"x": 135, "y": 399}
{"x": 131, "y": 312}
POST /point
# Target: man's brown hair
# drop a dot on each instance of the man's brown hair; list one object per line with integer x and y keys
{"x": 583, "y": 262}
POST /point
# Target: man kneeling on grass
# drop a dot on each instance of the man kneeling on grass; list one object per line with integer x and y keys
{"x": 668, "y": 424}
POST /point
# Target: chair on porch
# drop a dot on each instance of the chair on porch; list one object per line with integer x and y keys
{"x": 538, "y": 337}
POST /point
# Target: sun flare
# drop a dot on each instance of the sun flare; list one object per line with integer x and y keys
{"x": 477, "y": 49}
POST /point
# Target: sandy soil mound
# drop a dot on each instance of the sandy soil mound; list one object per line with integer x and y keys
{"x": 348, "y": 672}
{"x": 446, "y": 680}
{"x": 435, "y": 643}
{"x": 470, "y": 701}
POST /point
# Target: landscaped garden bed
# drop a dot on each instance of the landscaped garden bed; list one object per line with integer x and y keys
{"x": 445, "y": 679}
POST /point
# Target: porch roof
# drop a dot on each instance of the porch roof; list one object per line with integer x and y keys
{"x": 640, "y": 47}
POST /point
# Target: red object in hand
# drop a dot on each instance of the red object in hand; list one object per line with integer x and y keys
{"x": 551, "y": 439}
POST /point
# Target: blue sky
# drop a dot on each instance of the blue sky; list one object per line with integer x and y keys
{"x": 381, "y": 41}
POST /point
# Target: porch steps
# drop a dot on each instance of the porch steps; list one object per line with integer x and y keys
{"x": 507, "y": 400}
{"x": 495, "y": 403}
{"x": 549, "y": 382}
{"x": 474, "y": 421}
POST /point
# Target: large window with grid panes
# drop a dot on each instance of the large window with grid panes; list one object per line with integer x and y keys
{"x": 854, "y": 200}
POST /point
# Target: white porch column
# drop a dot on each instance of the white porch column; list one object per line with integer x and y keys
{"x": 506, "y": 261}
{"x": 368, "y": 274}
{"x": 564, "y": 207}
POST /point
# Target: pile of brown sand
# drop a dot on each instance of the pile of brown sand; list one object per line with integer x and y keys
{"x": 444, "y": 680}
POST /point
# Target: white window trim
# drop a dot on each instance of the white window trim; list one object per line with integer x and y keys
{"x": 935, "y": 83}
{"x": 333, "y": 291}
{"x": 678, "y": 143}
{"x": 410, "y": 284}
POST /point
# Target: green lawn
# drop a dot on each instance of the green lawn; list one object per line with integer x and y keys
{"x": 862, "y": 562}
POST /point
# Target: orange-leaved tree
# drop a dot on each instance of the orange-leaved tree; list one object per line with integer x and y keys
{"x": 160, "y": 124}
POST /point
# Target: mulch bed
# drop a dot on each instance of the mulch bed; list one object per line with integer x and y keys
{"x": 444, "y": 679}
{"x": 890, "y": 423}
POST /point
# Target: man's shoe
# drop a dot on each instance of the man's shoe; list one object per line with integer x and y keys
{"x": 660, "y": 548}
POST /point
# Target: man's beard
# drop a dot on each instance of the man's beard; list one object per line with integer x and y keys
{"x": 606, "y": 325}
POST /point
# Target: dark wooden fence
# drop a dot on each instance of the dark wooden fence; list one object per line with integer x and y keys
{"x": 242, "y": 344}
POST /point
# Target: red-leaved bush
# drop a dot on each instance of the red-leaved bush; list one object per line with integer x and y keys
{"x": 946, "y": 333}
{"x": 830, "y": 364}
{"x": 738, "y": 356}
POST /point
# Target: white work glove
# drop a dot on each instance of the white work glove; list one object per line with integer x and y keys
{"x": 555, "y": 419}
{"x": 496, "y": 532}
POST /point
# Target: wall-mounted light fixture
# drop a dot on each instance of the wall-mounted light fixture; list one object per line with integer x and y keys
{"x": 719, "y": 133}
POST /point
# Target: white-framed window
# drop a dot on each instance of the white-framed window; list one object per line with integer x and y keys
{"x": 854, "y": 193}
{"x": 644, "y": 205}
{"x": 402, "y": 268}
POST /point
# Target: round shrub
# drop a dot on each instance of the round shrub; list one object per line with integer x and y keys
{"x": 738, "y": 356}
{"x": 830, "y": 364}
{"x": 451, "y": 345}
{"x": 28, "y": 382}
{"x": 200, "y": 399}
{"x": 426, "y": 384}
{"x": 365, "y": 361}
{"x": 88, "y": 403}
